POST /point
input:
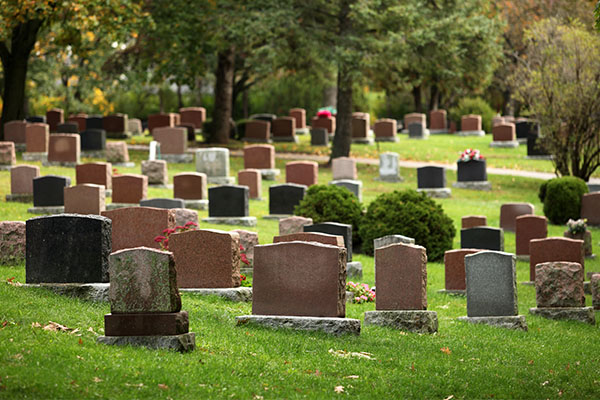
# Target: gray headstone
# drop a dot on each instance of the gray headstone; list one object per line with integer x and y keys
{"x": 284, "y": 198}
{"x": 473, "y": 170}
{"x": 228, "y": 201}
{"x": 389, "y": 167}
{"x": 594, "y": 187}
{"x": 392, "y": 239}
{"x": 163, "y": 203}
{"x": 482, "y": 237}
{"x": 491, "y": 284}
{"x": 319, "y": 137}
{"x": 354, "y": 186}
{"x": 416, "y": 130}
{"x": 431, "y": 177}
{"x": 213, "y": 161}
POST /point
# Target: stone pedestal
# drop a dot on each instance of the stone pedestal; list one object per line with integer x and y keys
{"x": 509, "y": 322}
{"x": 473, "y": 185}
{"x": 243, "y": 221}
{"x": 332, "y": 326}
{"x": 46, "y": 210}
{"x": 419, "y": 321}
{"x": 196, "y": 204}
{"x": 505, "y": 144}
{"x": 238, "y": 294}
{"x": 181, "y": 343}
{"x": 439, "y": 193}
{"x": 581, "y": 314}
{"x": 471, "y": 133}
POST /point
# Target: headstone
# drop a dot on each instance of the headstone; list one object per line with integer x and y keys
{"x": 497, "y": 120}
{"x": 117, "y": 153}
{"x": 431, "y": 177}
{"x": 166, "y": 204}
{"x": 214, "y": 162}
{"x": 360, "y": 128}
{"x": 334, "y": 228}
{"x": 264, "y": 117}
{"x": 48, "y": 190}
{"x": 37, "y": 137}
{"x": 260, "y": 156}
{"x": 134, "y": 126}
{"x": 418, "y": 118}
{"x": 94, "y": 122}
{"x": 68, "y": 248}
{"x": 190, "y": 186}
{"x": 319, "y": 137}
{"x": 595, "y": 284}
{"x": 206, "y": 258}
{"x": 293, "y": 224}
{"x": 12, "y": 242}
{"x": 454, "y": 267}
{"x": 437, "y": 121}
{"x": 85, "y": 198}
{"x": 354, "y": 186}
{"x": 472, "y": 221}
{"x": 534, "y": 146}
{"x": 482, "y": 237}
{"x": 193, "y": 115}
{"x": 14, "y": 131}
{"x": 299, "y": 115}
{"x": 160, "y": 120}
{"x": 525, "y": 128}
{"x": 510, "y": 211}
{"x": 343, "y": 168}
{"x": 184, "y": 216}
{"x": 156, "y": 171}
{"x": 593, "y": 187}
{"x": 504, "y": 133}
{"x": 389, "y": 167}
{"x": 248, "y": 240}
{"x": 322, "y": 238}
{"x": 529, "y": 227}
{"x": 257, "y": 131}
{"x": 284, "y": 129}
{"x": 80, "y": 120}
{"x": 590, "y": 208}
{"x": 302, "y": 172}
{"x": 253, "y": 180}
{"x": 473, "y": 170}
{"x": 129, "y": 188}
{"x": 327, "y": 123}
{"x": 284, "y": 198}
{"x": 172, "y": 140}
{"x": 64, "y": 149}
{"x": 68, "y": 127}
{"x": 554, "y": 249}
{"x": 34, "y": 119}
{"x": 21, "y": 180}
{"x": 417, "y": 131}
{"x": 138, "y": 226}
{"x": 285, "y": 284}
{"x": 93, "y": 140}
{"x": 391, "y": 239}
{"x": 98, "y": 173}
{"x": 470, "y": 125}
{"x": 190, "y": 131}
{"x": 54, "y": 117}
{"x": 385, "y": 130}
{"x": 8, "y": 157}
{"x": 228, "y": 201}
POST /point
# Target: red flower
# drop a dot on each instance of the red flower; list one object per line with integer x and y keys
{"x": 159, "y": 239}
{"x": 191, "y": 223}
{"x": 178, "y": 227}
{"x": 242, "y": 277}
{"x": 244, "y": 259}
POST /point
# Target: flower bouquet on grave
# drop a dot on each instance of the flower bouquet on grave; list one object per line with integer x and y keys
{"x": 163, "y": 240}
{"x": 470, "y": 154}
{"x": 577, "y": 229}
{"x": 577, "y": 226}
{"x": 244, "y": 258}
{"x": 361, "y": 293}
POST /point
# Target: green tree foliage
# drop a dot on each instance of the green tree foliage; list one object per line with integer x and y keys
{"x": 476, "y": 106}
{"x": 562, "y": 198}
{"x": 557, "y": 80}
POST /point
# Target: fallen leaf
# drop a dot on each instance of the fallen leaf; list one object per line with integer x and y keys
{"x": 446, "y": 350}
{"x": 91, "y": 330}
{"x": 449, "y": 397}
{"x": 348, "y": 354}
{"x": 352, "y": 377}
{"x": 545, "y": 383}
{"x": 97, "y": 380}
{"x": 318, "y": 373}
{"x": 74, "y": 383}
{"x": 11, "y": 281}
{"x": 18, "y": 356}
{"x": 36, "y": 325}
{"x": 135, "y": 384}
{"x": 163, "y": 386}
{"x": 530, "y": 362}
{"x": 80, "y": 341}
{"x": 338, "y": 389}
{"x": 55, "y": 326}
{"x": 79, "y": 357}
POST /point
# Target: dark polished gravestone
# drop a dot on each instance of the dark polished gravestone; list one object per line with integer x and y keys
{"x": 48, "y": 190}
{"x": 284, "y": 198}
{"x": 36, "y": 119}
{"x": 431, "y": 177}
{"x": 473, "y": 170}
{"x": 482, "y": 237}
{"x": 67, "y": 248}
{"x": 417, "y": 131}
{"x": 534, "y": 148}
{"x": 94, "y": 122}
{"x": 163, "y": 203}
{"x": 68, "y": 127}
{"x": 319, "y": 137}
{"x": 334, "y": 228}
{"x": 93, "y": 139}
{"x": 228, "y": 201}
{"x": 526, "y": 128}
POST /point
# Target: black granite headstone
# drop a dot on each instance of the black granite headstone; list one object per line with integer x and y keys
{"x": 67, "y": 248}
{"x": 319, "y": 137}
{"x": 163, "y": 203}
{"x": 94, "y": 122}
{"x": 431, "y": 177}
{"x": 228, "y": 201}
{"x": 264, "y": 117}
{"x": 67, "y": 127}
{"x": 284, "y": 198}
{"x": 415, "y": 130}
{"x": 473, "y": 170}
{"x": 482, "y": 237}
{"x": 334, "y": 228}
{"x": 48, "y": 190}
{"x": 534, "y": 148}
{"x": 191, "y": 131}
{"x": 36, "y": 119}
{"x": 526, "y": 128}
{"x": 93, "y": 139}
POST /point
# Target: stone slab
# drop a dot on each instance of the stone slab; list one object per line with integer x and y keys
{"x": 41, "y": 157}
{"x": 238, "y": 294}
{"x": 419, "y": 321}
{"x": 276, "y": 217}
{"x": 581, "y": 314}
{"x": 20, "y": 197}
{"x": 516, "y": 322}
{"x": 270, "y": 174}
{"x": 146, "y": 324}
{"x": 354, "y": 269}
{"x": 471, "y": 133}
{"x": 178, "y": 158}
{"x": 221, "y": 180}
{"x": 473, "y": 185}
{"x": 243, "y": 221}
{"x": 439, "y": 193}
{"x": 507, "y": 144}
{"x": 46, "y": 210}
{"x": 332, "y": 326}
{"x": 83, "y": 291}
{"x": 181, "y": 343}
{"x": 196, "y": 204}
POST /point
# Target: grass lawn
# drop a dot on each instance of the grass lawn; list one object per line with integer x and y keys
{"x": 554, "y": 359}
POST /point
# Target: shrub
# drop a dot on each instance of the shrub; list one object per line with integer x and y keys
{"x": 473, "y": 106}
{"x": 562, "y": 198}
{"x": 330, "y": 203}
{"x": 411, "y": 214}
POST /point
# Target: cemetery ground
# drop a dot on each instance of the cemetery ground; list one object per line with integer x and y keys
{"x": 41, "y": 359}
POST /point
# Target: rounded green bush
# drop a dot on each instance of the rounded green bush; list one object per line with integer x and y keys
{"x": 562, "y": 198}
{"x": 330, "y": 203}
{"x": 411, "y": 214}
{"x": 476, "y": 106}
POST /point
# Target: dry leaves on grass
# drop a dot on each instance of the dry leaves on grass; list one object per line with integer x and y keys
{"x": 163, "y": 386}
{"x": 446, "y": 350}
{"x": 11, "y": 281}
{"x": 350, "y": 354}
{"x": 338, "y": 389}
{"x": 56, "y": 327}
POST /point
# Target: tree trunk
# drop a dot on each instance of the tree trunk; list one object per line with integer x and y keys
{"x": 179, "y": 97}
{"x": 416, "y": 92}
{"x": 223, "y": 97}
{"x": 245, "y": 103}
{"x": 198, "y": 91}
{"x": 161, "y": 100}
{"x": 15, "y": 63}
{"x": 342, "y": 139}
{"x": 434, "y": 99}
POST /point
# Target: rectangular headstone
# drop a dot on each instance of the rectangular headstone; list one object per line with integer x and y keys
{"x": 431, "y": 177}
{"x": 260, "y": 156}
{"x": 385, "y": 128}
{"x": 213, "y": 161}
{"x": 252, "y": 179}
{"x": 64, "y": 148}
{"x": 193, "y": 115}
{"x": 257, "y": 131}
{"x": 293, "y": 224}
{"x": 190, "y": 186}
{"x": 228, "y": 201}
{"x": 284, "y": 198}
{"x": 172, "y": 140}
{"x": 529, "y": 227}
{"x": 7, "y": 154}
{"x": 37, "y": 138}
{"x": 98, "y": 173}
{"x": 334, "y": 228}
{"x": 559, "y": 284}
{"x": 94, "y": 122}
{"x": 54, "y": 117}
{"x": 454, "y": 267}
{"x": 86, "y": 198}
{"x": 14, "y": 131}
{"x": 482, "y": 237}
{"x": 554, "y": 249}
{"x": 166, "y": 204}
{"x": 299, "y": 114}
{"x": 389, "y": 166}
{"x": 510, "y": 211}
{"x": 343, "y": 168}
{"x": 48, "y": 190}
{"x": 319, "y": 137}
{"x": 473, "y": 170}
{"x": 21, "y": 178}
{"x": 129, "y": 188}
{"x": 93, "y": 139}
{"x": 302, "y": 172}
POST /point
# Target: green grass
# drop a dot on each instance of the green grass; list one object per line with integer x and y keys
{"x": 554, "y": 359}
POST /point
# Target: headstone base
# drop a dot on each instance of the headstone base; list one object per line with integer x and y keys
{"x": 471, "y": 133}
{"x": 20, "y": 197}
{"x": 94, "y": 154}
{"x": 438, "y": 131}
{"x": 509, "y": 322}
{"x": 438, "y": 193}
{"x": 286, "y": 139}
{"x": 159, "y": 186}
{"x": 118, "y": 135}
{"x": 302, "y": 131}
{"x": 178, "y": 158}
{"x": 505, "y": 144}
{"x": 453, "y": 292}
{"x": 84, "y": 291}
{"x": 581, "y": 314}
{"x": 181, "y": 343}
{"x": 522, "y": 140}
{"x": 587, "y": 287}
{"x": 196, "y": 204}
{"x": 473, "y": 185}
{"x": 367, "y": 140}
{"x": 424, "y": 136}
{"x": 418, "y": 321}
{"x": 238, "y": 294}
{"x": 332, "y": 326}
{"x": 129, "y": 164}
{"x": 270, "y": 174}
{"x": 389, "y": 178}
{"x": 547, "y": 157}
{"x": 523, "y": 257}
{"x": 42, "y": 157}
{"x": 249, "y": 271}
{"x": 221, "y": 180}
{"x": 114, "y": 206}
{"x": 354, "y": 269}
{"x": 276, "y": 217}
{"x": 20, "y": 147}
{"x": 243, "y": 221}
{"x": 393, "y": 139}
{"x": 146, "y": 324}
{"x": 68, "y": 164}
{"x": 6, "y": 167}
{"x": 46, "y": 210}
{"x": 528, "y": 283}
